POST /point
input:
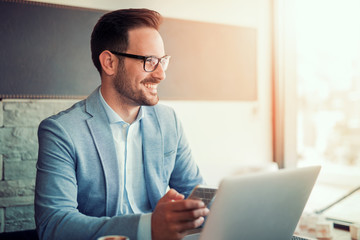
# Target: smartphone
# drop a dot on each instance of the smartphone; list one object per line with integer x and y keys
{"x": 203, "y": 193}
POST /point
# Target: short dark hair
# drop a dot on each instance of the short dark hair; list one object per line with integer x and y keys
{"x": 111, "y": 31}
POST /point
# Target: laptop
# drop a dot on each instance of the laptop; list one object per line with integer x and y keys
{"x": 265, "y": 205}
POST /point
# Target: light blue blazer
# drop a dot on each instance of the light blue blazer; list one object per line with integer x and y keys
{"x": 77, "y": 181}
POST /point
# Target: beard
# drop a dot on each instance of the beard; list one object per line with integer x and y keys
{"x": 135, "y": 96}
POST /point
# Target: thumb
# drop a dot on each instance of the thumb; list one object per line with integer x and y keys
{"x": 172, "y": 195}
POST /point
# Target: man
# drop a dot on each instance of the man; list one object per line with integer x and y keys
{"x": 106, "y": 163}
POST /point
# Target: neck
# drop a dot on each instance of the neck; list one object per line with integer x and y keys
{"x": 127, "y": 111}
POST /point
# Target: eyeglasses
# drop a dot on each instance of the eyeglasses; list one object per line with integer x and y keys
{"x": 150, "y": 62}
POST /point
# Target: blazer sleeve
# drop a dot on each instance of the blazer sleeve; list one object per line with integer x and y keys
{"x": 56, "y": 212}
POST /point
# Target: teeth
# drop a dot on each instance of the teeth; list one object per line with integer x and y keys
{"x": 153, "y": 86}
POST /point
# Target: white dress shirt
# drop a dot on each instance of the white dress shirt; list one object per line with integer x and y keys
{"x": 128, "y": 144}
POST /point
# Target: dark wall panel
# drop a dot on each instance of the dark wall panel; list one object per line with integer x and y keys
{"x": 45, "y": 53}
{"x": 45, "y": 50}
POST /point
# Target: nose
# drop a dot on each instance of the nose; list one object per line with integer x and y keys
{"x": 159, "y": 73}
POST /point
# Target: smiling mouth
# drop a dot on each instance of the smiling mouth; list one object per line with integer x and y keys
{"x": 152, "y": 87}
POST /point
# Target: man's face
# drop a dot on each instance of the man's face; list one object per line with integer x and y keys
{"x": 134, "y": 85}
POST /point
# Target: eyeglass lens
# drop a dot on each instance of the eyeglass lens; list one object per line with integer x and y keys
{"x": 151, "y": 63}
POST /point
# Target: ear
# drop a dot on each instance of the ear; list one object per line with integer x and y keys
{"x": 108, "y": 62}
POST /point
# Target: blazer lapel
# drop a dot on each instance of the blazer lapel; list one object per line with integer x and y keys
{"x": 102, "y": 135}
{"x": 153, "y": 155}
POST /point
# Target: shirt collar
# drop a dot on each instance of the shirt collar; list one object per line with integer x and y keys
{"x": 112, "y": 115}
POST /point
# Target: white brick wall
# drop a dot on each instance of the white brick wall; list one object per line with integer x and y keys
{"x": 1, "y": 167}
{"x": 19, "y": 120}
{"x": 1, "y": 114}
{"x": 2, "y": 220}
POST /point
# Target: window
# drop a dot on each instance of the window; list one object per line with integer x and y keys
{"x": 317, "y": 85}
{"x": 328, "y": 83}
{"x": 317, "y": 96}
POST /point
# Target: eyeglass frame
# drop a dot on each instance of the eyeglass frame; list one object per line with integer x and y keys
{"x": 144, "y": 58}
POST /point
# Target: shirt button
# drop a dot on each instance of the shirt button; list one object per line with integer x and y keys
{"x": 124, "y": 125}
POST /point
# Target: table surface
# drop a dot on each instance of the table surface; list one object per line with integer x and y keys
{"x": 338, "y": 234}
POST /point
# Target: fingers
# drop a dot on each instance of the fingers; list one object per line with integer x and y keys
{"x": 173, "y": 216}
{"x": 185, "y": 214}
{"x": 188, "y": 225}
{"x": 192, "y": 215}
{"x": 187, "y": 204}
{"x": 191, "y": 224}
{"x": 181, "y": 222}
{"x": 171, "y": 195}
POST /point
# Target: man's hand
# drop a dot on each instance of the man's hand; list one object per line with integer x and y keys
{"x": 173, "y": 216}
